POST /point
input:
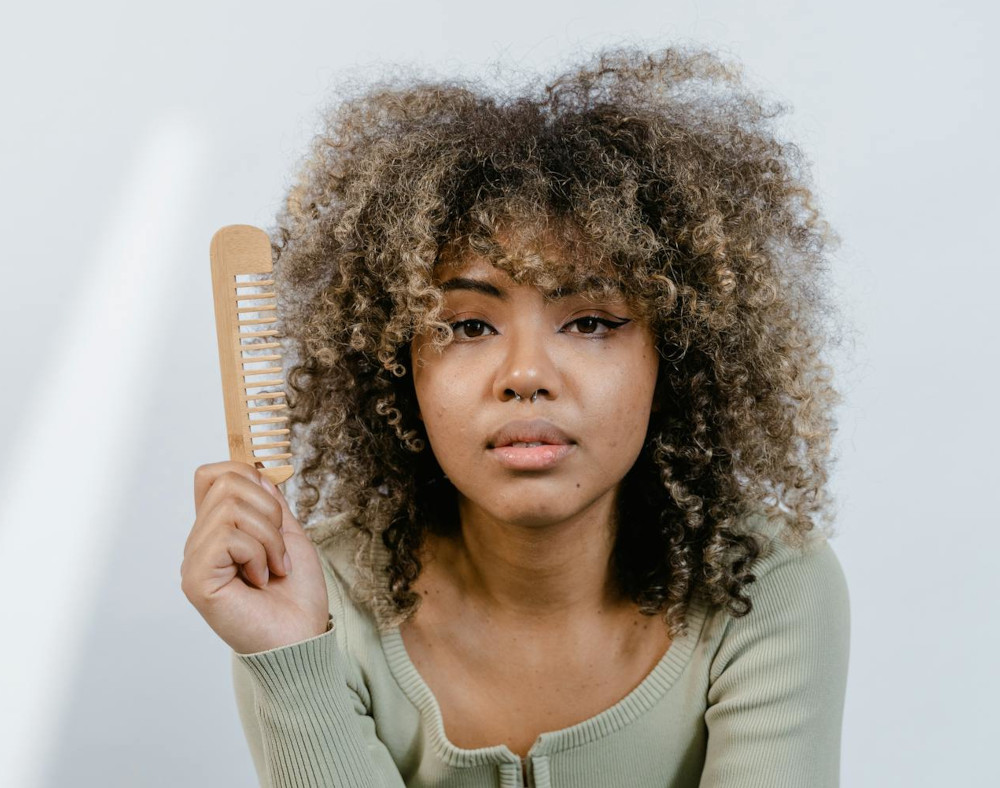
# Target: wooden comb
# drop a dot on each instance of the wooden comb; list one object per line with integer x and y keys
{"x": 241, "y": 277}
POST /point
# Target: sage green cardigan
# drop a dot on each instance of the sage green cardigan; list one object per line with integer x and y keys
{"x": 751, "y": 702}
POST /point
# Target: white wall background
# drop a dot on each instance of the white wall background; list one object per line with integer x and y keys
{"x": 131, "y": 132}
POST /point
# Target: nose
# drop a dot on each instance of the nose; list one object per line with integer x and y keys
{"x": 527, "y": 371}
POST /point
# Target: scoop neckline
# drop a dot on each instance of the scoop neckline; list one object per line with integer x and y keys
{"x": 642, "y": 698}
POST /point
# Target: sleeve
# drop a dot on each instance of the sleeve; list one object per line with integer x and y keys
{"x": 305, "y": 725}
{"x": 306, "y": 718}
{"x": 776, "y": 698}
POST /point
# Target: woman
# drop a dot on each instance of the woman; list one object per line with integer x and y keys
{"x": 563, "y": 432}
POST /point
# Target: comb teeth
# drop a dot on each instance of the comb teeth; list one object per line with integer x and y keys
{"x": 250, "y": 358}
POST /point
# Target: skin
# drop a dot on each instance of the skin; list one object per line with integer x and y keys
{"x": 531, "y": 566}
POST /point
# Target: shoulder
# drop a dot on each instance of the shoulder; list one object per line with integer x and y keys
{"x": 800, "y": 615}
{"x": 788, "y": 575}
{"x": 810, "y": 576}
{"x": 778, "y": 675}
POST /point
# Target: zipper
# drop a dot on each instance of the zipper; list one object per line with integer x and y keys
{"x": 527, "y": 780}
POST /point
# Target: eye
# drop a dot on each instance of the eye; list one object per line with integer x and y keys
{"x": 472, "y": 328}
{"x": 590, "y": 325}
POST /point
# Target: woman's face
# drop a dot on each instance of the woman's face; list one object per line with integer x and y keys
{"x": 591, "y": 367}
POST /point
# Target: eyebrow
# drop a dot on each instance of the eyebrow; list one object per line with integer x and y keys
{"x": 487, "y": 288}
{"x": 476, "y": 285}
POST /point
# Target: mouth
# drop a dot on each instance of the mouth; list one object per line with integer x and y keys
{"x": 526, "y": 457}
{"x": 530, "y": 445}
{"x": 528, "y": 434}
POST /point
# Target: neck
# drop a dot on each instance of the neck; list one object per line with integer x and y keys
{"x": 536, "y": 574}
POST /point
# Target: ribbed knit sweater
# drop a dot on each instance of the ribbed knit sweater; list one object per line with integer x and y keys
{"x": 749, "y": 702}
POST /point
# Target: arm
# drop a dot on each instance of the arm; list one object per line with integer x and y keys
{"x": 304, "y": 723}
{"x": 776, "y": 697}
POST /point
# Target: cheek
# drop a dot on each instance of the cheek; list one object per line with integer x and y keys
{"x": 443, "y": 400}
{"x": 624, "y": 399}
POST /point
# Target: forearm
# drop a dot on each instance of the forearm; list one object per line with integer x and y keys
{"x": 308, "y": 718}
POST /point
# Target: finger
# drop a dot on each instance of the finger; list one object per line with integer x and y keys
{"x": 233, "y": 512}
{"x": 238, "y": 484}
{"x": 227, "y": 504}
{"x": 228, "y": 553}
{"x": 206, "y": 475}
{"x": 243, "y": 551}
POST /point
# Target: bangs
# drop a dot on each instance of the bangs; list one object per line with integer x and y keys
{"x": 550, "y": 253}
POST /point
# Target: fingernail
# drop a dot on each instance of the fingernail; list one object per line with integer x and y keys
{"x": 288, "y": 564}
{"x": 267, "y": 575}
{"x": 268, "y": 485}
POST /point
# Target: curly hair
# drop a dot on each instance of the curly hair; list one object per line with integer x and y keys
{"x": 658, "y": 167}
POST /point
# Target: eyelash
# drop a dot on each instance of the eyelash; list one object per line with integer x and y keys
{"x": 612, "y": 325}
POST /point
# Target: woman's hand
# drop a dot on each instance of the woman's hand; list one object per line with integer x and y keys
{"x": 234, "y": 562}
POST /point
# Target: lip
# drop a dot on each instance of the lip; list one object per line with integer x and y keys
{"x": 528, "y": 431}
{"x": 531, "y": 458}
{"x": 556, "y": 445}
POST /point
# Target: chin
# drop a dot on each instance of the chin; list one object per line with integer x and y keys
{"x": 533, "y": 519}
{"x": 533, "y": 516}
{"x": 537, "y": 503}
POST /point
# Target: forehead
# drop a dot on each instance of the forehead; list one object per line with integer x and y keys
{"x": 554, "y": 267}
{"x": 484, "y": 278}
{"x": 469, "y": 265}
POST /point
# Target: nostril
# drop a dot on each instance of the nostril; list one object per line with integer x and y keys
{"x": 517, "y": 397}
